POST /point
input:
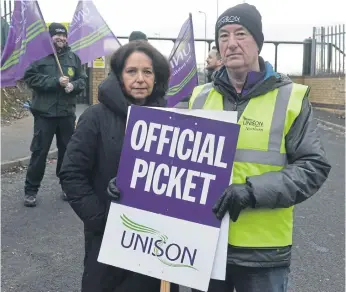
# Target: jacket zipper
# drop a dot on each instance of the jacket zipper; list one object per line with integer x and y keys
{"x": 235, "y": 104}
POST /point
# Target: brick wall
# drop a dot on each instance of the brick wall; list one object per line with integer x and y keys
{"x": 327, "y": 93}
{"x": 97, "y": 76}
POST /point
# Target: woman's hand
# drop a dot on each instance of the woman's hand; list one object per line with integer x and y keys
{"x": 112, "y": 190}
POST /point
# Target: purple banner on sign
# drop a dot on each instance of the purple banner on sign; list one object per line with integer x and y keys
{"x": 176, "y": 165}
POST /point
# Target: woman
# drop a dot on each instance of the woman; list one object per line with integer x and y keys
{"x": 140, "y": 75}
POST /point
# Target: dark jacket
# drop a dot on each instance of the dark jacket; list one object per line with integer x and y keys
{"x": 93, "y": 154}
{"x": 49, "y": 97}
{"x": 210, "y": 72}
{"x": 305, "y": 173}
{"x": 211, "y": 75}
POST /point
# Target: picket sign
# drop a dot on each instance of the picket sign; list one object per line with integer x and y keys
{"x": 174, "y": 166}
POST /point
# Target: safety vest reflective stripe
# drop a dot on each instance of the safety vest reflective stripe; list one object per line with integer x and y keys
{"x": 202, "y": 97}
{"x": 278, "y": 123}
{"x": 182, "y": 104}
{"x": 260, "y": 157}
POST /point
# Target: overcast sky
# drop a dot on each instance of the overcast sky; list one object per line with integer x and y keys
{"x": 289, "y": 20}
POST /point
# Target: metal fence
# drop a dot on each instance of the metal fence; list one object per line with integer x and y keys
{"x": 328, "y": 50}
{"x": 7, "y": 9}
{"x": 210, "y": 41}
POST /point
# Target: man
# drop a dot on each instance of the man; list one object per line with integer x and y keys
{"x": 137, "y": 35}
{"x": 214, "y": 63}
{"x": 279, "y": 162}
{"x": 53, "y": 107}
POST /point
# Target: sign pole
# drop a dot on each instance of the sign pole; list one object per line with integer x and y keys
{"x": 165, "y": 286}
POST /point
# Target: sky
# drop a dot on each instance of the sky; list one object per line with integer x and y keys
{"x": 283, "y": 20}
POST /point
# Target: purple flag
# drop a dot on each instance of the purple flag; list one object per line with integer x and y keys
{"x": 183, "y": 65}
{"x": 28, "y": 41}
{"x": 89, "y": 35}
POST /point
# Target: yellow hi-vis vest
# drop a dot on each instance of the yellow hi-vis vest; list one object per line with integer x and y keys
{"x": 264, "y": 124}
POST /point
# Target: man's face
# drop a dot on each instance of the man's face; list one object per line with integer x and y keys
{"x": 59, "y": 40}
{"x": 213, "y": 61}
{"x": 238, "y": 48}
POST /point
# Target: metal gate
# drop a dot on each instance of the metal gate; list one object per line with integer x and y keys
{"x": 328, "y": 50}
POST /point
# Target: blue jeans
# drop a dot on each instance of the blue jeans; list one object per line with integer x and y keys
{"x": 245, "y": 279}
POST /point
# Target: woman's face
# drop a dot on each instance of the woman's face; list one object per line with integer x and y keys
{"x": 138, "y": 76}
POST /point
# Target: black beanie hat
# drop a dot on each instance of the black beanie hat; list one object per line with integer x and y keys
{"x": 246, "y": 15}
{"x": 57, "y": 28}
{"x": 137, "y": 35}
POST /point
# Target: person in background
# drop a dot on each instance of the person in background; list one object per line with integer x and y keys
{"x": 137, "y": 35}
{"x": 140, "y": 76}
{"x": 279, "y": 163}
{"x": 214, "y": 63}
{"x": 53, "y": 107}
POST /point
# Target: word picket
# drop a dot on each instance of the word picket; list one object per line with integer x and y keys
{"x": 163, "y": 178}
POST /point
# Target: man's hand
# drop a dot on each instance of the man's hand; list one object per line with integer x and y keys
{"x": 112, "y": 190}
{"x": 69, "y": 87}
{"x": 234, "y": 199}
{"x": 64, "y": 80}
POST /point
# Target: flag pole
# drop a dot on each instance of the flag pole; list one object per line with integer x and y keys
{"x": 50, "y": 41}
{"x": 57, "y": 61}
{"x": 165, "y": 286}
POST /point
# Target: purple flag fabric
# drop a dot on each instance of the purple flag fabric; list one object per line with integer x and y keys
{"x": 183, "y": 65}
{"x": 28, "y": 41}
{"x": 89, "y": 35}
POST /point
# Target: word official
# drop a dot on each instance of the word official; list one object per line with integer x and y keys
{"x": 185, "y": 145}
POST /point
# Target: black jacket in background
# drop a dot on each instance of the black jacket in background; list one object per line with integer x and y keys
{"x": 93, "y": 154}
{"x": 49, "y": 97}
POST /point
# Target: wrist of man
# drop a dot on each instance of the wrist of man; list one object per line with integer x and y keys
{"x": 249, "y": 189}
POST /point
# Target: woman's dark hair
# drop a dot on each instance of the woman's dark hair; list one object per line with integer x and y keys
{"x": 160, "y": 64}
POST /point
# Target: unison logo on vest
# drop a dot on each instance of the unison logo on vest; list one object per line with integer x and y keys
{"x": 151, "y": 242}
{"x": 252, "y": 125}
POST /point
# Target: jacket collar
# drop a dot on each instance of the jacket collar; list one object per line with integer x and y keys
{"x": 257, "y": 83}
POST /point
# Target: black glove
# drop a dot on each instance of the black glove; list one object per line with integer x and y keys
{"x": 234, "y": 199}
{"x": 112, "y": 190}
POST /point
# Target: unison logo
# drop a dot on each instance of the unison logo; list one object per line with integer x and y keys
{"x": 252, "y": 124}
{"x": 152, "y": 242}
